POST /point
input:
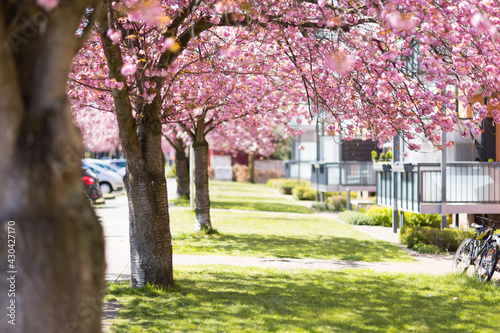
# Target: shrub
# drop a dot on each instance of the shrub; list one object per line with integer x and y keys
{"x": 339, "y": 202}
{"x": 422, "y": 220}
{"x": 426, "y": 248}
{"x": 382, "y": 156}
{"x": 303, "y": 193}
{"x": 388, "y": 155}
{"x": 381, "y": 216}
{"x": 356, "y": 218}
{"x": 374, "y": 155}
{"x": 445, "y": 239}
{"x": 285, "y": 186}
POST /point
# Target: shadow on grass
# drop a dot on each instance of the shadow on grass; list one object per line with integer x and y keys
{"x": 247, "y": 204}
{"x": 251, "y": 300}
{"x": 318, "y": 247}
{"x": 261, "y": 206}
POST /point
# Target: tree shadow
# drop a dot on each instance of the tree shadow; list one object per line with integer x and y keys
{"x": 318, "y": 247}
{"x": 344, "y": 301}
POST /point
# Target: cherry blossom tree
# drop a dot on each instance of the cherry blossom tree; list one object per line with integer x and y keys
{"x": 99, "y": 129}
{"x": 378, "y": 67}
{"x": 211, "y": 96}
{"x": 52, "y": 250}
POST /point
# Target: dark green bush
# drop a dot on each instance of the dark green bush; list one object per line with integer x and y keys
{"x": 445, "y": 239}
{"x": 356, "y": 218}
{"x": 303, "y": 193}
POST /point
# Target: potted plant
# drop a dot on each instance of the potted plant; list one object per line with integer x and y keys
{"x": 374, "y": 155}
{"x": 388, "y": 155}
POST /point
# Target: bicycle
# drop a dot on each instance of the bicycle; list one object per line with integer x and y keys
{"x": 485, "y": 244}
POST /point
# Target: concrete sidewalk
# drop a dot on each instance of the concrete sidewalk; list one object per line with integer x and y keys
{"x": 114, "y": 219}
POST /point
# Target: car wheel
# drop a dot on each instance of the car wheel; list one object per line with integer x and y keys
{"x": 105, "y": 188}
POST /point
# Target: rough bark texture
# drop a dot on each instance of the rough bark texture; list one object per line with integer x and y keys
{"x": 150, "y": 238}
{"x": 200, "y": 147}
{"x": 181, "y": 167}
{"x": 57, "y": 278}
{"x": 182, "y": 172}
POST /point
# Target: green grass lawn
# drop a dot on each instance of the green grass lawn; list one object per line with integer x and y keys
{"x": 246, "y": 196}
{"x": 236, "y": 299}
{"x": 262, "y": 234}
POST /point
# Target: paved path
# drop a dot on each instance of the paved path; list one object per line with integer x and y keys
{"x": 114, "y": 219}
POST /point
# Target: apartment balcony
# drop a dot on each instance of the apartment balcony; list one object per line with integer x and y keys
{"x": 334, "y": 177}
{"x": 471, "y": 187}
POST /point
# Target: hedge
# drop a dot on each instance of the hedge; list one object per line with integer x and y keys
{"x": 444, "y": 239}
{"x": 303, "y": 193}
{"x": 383, "y": 216}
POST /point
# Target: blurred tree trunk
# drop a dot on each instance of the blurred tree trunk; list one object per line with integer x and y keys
{"x": 181, "y": 167}
{"x": 251, "y": 169}
{"x": 56, "y": 268}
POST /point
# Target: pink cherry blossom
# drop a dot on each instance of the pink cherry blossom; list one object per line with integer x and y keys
{"x": 114, "y": 35}
{"x": 128, "y": 69}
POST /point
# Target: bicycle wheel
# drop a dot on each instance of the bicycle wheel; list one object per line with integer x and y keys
{"x": 462, "y": 257}
{"x": 488, "y": 262}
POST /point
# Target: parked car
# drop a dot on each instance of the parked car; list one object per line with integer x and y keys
{"x": 91, "y": 185}
{"x": 109, "y": 181}
{"x": 119, "y": 162}
{"x": 107, "y": 165}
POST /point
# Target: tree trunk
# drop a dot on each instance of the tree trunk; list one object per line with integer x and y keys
{"x": 51, "y": 243}
{"x": 182, "y": 173}
{"x": 202, "y": 210}
{"x": 150, "y": 238}
{"x": 181, "y": 167}
{"x": 251, "y": 169}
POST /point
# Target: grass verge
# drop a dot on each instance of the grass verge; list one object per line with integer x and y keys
{"x": 279, "y": 235}
{"x": 239, "y": 299}
{"x": 246, "y": 196}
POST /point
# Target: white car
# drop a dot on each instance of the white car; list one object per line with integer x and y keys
{"x": 109, "y": 181}
{"x": 119, "y": 162}
{"x": 107, "y": 165}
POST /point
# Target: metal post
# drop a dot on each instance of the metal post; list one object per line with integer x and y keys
{"x": 443, "y": 172}
{"x": 298, "y": 161}
{"x": 348, "y": 199}
{"x": 191, "y": 176}
{"x": 394, "y": 179}
{"x": 443, "y": 182}
{"x": 318, "y": 152}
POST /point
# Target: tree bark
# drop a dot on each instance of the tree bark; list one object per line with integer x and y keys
{"x": 181, "y": 167}
{"x": 55, "y": 242}
{"x": 251, "y": 169}
{"x": 202, "y": 209}
{"x": 150, "y": 238}
{"x": 182, "y": 172}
